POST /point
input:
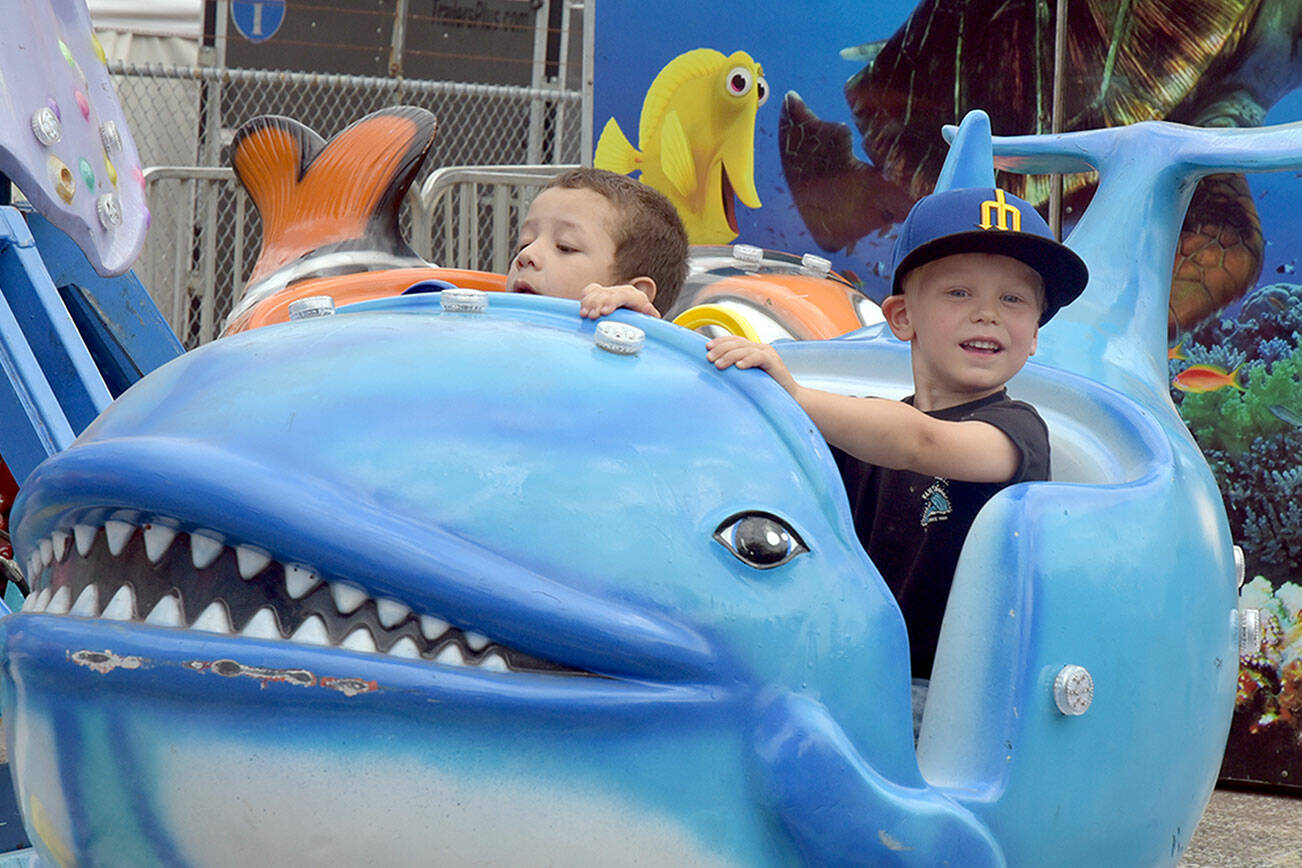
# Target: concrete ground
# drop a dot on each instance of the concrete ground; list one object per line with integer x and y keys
{"x": 1247, "y": 830}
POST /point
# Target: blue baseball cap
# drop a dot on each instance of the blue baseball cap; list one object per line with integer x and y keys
{"x": 988, "y": 220}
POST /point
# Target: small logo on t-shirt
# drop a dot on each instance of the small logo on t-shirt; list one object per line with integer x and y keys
{"x": 935, "y": 502}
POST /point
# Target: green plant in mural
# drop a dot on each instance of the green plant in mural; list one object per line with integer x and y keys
{"x": 1270, "y": 405}
{"x": 1252, "y": 436}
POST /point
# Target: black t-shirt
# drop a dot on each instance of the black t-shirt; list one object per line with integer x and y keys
{"x": 913, "y": 526}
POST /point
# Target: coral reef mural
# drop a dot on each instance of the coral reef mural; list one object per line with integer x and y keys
{"x": 1238, "y": 383}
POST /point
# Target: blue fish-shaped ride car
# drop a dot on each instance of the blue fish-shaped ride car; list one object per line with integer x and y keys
{"x": 538, "y": 616}
{"x": 408, "y": 584}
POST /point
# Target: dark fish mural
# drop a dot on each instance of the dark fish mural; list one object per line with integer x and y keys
{"x": 1220, "y": 63}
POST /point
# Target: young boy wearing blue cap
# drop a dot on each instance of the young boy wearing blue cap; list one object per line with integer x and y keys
{"x": 976, "y": 273}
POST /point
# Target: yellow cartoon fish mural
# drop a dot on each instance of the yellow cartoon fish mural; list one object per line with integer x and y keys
{"x": 697, "y": 140}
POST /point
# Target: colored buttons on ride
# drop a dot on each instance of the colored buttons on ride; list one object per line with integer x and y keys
{"x": 311, "y": 307}
{"x": 1073, "y": 690}
{"x": 1250, "y": 632}
{"x": 819, "y": 266}
{"x": 748, "y": 255}
{"x": 46, "y": 126}
{"x": 109, "y": 210}
{"x": 620, "y": 338}
{"x": 62, "y": 179}
{"x": 463, "y": 300}
{"x": 109, "y": 135}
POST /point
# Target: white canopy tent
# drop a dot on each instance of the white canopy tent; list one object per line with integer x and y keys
{"x": 149, "y": 31}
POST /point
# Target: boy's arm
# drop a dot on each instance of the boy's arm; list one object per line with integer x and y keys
{"x": 883, "y": 432}
{"x": 598, "y": 301}
{"x": 895, "y": 435}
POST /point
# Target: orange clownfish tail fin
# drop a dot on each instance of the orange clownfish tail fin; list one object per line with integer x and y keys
{"x": 342, "y": 194}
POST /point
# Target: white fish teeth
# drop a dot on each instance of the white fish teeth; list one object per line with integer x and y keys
{"x": 158, "y": 539}
{"x": 60, "y": 540}
{"x": 117, "y": 533}
{"x": 312, "y": 632}
{"x": 250, "y": 561}
{"x": 204, "y": 549}
{"x": 405, "y": 647}
{"x": 451, "y": 655}
{"x": 214, "y": 619}
{"x": 122, "y": 606}
{"x": 299, "y": 580}
{"x": 87, "y": 605}
{"x": 470, "y": 650}
{"x": 359, "y": 640}
{"x": 390, "y": 611}
{"x": 41, "y": 600}
{"x": 166, "y": 613}
{"x": 493, "y": 662}
{"x": 433, "y": 627}
{"x": 60, "y": 602}
{"x": 85, "y": 536}
{"x": 348, "y": 598}
{"x": 262, "y": 625}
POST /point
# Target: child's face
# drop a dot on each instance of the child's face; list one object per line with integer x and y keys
{"x": 973, "y": 320}
{"x": 565, "y": 244}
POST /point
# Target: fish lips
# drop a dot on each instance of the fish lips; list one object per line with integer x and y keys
{"x": 210, "y": 669}
{"x": 237, "y": 497}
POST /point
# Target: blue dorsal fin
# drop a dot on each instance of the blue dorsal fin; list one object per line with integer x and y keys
{"x": 971, "y": 158}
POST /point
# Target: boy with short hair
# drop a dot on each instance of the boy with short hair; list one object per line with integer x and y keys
{"x": 602, "y": 238}
{"x": 976, "y": 272}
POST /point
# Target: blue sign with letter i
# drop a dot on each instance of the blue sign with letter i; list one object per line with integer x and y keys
{"x": 257, "y": 20}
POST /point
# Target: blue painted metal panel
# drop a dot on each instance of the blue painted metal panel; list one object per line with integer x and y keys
{"x": 118, "y": 320}
{"x": 51, "y": 381}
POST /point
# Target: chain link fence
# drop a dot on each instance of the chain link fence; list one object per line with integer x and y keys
{"x": 204, "y": 234}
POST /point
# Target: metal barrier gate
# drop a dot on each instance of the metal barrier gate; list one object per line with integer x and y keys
{"x": 205, "y": 234}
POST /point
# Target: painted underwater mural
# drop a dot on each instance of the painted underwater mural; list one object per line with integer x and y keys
{"x": 1250, "y": 429}
{"x": 838, "y": 169}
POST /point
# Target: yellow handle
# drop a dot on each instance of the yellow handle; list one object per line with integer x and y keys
{"x": 714, "y": 315}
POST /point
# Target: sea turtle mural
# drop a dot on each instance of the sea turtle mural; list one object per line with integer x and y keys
{"x": 1221, "y": 63}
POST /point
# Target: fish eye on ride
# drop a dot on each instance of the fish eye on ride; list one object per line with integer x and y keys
{"x": 759, "y": 539}
{"x": 761, "y": 90}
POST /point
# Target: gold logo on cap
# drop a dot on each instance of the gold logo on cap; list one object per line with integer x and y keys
{"x": 997, "y": 214}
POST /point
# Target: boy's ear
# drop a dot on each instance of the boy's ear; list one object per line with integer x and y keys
{"x": 896, "y": 313}
{"x": 645, "y": 285}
